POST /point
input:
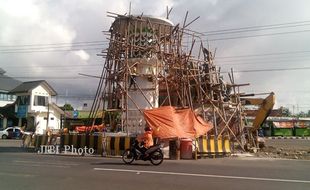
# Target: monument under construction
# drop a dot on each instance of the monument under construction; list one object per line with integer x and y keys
{"x": 151, "y": 62}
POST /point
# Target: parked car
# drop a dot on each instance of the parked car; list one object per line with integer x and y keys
{"x": 11, "y": 133}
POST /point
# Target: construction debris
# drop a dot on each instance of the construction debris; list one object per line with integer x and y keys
{"x": 288, "y": 149}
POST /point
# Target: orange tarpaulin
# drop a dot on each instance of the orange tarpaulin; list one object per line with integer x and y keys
{"x": 168, "y": 122}
{"x": 81, "y": 129}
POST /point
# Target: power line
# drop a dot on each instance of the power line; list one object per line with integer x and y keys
{"x": 259, "y": 62}
{"x": 218, "y": 39}
{"x": 253, "y": 30}
{"x": 265, "y": 54}
{"x": 261, "y": 26}
{"x": 269, "y": 70}
{"x": 29, "y": 50}
{"x": 51, "y": 48}
{"x": 258, "y": 35}
{"x": 230, "y": 62}
{"x": 67, "y": 50}
{"x": 241, "y": 71}
{"x": 45, "y": 77}
{"x": 77, "y": 96}
{"x": 231, "y": 30}
{"x": 220, "y": 63}
{"x": 298, "y": 23}
{"x": 53, "y": 44}
{"x": 263, "y": 60}
{"x": 54, "y": 66}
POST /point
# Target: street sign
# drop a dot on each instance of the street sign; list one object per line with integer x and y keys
{"x": 22, "y": 111}
{"x": 75, "y": 114}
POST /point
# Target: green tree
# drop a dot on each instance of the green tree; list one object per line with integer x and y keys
{"x": 67, "y": 107}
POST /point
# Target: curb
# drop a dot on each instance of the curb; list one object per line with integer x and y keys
{"x": 304, "y": 138}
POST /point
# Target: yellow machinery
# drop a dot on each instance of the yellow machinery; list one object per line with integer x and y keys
{"x": 265, "y": 107}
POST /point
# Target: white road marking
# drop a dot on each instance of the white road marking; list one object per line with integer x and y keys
{"x": 203, "y": 175}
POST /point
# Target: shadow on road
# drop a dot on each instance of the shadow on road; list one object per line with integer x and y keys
{"x": 16, "y": 149}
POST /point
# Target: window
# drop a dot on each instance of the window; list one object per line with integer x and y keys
{"x": 40, "y": 100}
{"x": 52, "y": 118}
{"x": 23, "y": 100}
{"x": 11, "y": 97}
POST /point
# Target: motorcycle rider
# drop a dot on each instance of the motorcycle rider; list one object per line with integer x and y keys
{"x": 146, "y": 139}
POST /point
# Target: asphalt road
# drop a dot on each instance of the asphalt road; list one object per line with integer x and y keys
{"x": 29, "y": 170}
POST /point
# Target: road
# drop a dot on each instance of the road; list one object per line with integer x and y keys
{"x": 29, "y": 170}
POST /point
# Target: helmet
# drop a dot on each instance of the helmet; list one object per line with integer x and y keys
{"x": 147, "y": 129}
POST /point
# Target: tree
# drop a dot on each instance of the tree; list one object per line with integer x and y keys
{"x": 301, "y": 114}
{"x": 285, "y": 112}
{"x": 304, "y": 114}
{"x": 67, "y": 107}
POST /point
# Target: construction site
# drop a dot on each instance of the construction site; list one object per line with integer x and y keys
{"x": 127, "y": 94}
{"x": 163, "y": 75}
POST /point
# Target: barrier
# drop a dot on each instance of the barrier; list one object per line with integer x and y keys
{"x": 76, "y": 140}
{"x": 301, "y": 132}
{"x": 26, "y": 140}
{"x": 186, "y": 148}
{"x": 282, "y": 132}
{"x": 212, "y": 147}
{"x": 97, "y": 144}
{"x": 115, "y": 146}
{"x": 174, "y": 149}
{"x": 40, "y": 140}
{"x": 64, "y": 140}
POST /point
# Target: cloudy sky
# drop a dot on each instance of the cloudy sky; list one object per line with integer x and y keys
{"x": 267, "y": 42}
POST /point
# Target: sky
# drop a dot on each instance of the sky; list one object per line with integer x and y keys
{"x": 266, "y": 42}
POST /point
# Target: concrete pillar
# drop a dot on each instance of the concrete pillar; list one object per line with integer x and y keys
{"x": 19, "y": 122}
{"x": 5, "y": 122}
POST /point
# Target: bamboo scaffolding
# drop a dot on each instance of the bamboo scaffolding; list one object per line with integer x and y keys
{"x": 178, "y": 76}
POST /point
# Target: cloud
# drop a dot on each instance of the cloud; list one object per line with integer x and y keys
{"x": 82, "y": 54}
{"x": 29, "y": 23}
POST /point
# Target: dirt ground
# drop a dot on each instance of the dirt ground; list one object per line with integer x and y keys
{"x": 286, "y": 148}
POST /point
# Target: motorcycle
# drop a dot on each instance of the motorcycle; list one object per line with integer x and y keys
{"x": 153, "y": 154}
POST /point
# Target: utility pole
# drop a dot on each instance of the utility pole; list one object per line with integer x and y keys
{"x": 48, "y": 113}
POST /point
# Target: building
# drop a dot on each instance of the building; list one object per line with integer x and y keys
{"x": 34, "y": 103}
{"x": 6, "y": 85}
{"x": 7, "y": 116}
